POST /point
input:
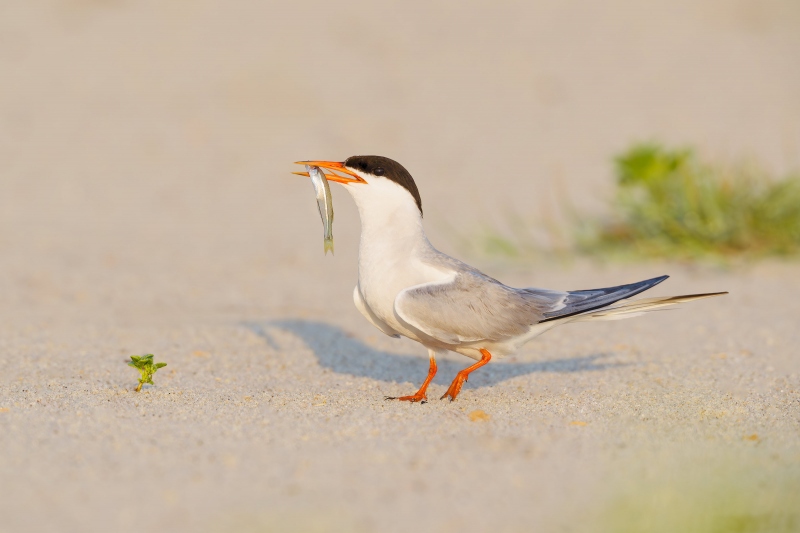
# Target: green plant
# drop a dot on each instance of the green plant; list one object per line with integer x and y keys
{"x": 731, "y": 491}
{"x": 144, "y": 364}
{"x": 671, "y": 204}
{"x": 668, "y": 204}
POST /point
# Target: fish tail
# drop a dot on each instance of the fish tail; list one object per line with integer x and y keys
{"x": 328, "y": 246}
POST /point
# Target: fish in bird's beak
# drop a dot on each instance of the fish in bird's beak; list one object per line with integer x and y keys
{"x": 335, "y": 167}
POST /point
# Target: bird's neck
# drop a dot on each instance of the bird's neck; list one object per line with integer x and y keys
{"x": 391, "y": 230}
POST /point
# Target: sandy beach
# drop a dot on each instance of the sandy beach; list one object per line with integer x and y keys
{"x": 147, "y": 206}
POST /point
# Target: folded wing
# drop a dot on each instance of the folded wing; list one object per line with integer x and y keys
{"x": 470, "y": 307}
{"x": 579, "y": 302}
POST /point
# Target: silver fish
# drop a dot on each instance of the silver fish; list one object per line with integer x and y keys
{"x": 324, "y": 203}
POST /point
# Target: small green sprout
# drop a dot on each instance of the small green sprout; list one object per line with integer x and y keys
{"x": 145, "y": 365}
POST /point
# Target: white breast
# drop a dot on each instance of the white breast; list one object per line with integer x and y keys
{"x": 392, "y": 248}
{"x": 381, "y": 278}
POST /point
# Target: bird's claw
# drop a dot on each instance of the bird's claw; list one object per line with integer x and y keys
{"x": 414, "y": 398}
{"x": 455, "y": 387}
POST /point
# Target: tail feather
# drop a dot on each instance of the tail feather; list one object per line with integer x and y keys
{"x": 631, "y": 308}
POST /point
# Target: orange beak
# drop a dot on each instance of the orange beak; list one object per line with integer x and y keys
{"x": 332, "y": 176}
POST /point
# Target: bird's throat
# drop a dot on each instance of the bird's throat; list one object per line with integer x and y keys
{"x": 392, "y": 236}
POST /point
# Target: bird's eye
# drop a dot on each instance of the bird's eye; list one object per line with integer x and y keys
{"x": 378, "y": 171}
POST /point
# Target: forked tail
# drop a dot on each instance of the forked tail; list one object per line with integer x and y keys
{"x": 631, "y": 308}
{"x": 614, "y": 303}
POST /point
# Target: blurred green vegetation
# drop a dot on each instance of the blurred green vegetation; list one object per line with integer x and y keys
{"x": 726, "y": 493}
{"x": 668, "y": 203}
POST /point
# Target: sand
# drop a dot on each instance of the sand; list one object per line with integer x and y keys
{"x": 146, "y": 206}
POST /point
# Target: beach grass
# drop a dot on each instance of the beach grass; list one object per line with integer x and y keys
{"x": 668, "y": 203}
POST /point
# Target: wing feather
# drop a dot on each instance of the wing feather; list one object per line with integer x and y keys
{"x": 471, "y": 307}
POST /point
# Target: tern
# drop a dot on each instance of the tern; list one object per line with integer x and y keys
{"x": 407, "y": 287}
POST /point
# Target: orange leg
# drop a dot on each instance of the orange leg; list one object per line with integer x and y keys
{"x": 420, "y": 395}
{"x": 463, "y": 376}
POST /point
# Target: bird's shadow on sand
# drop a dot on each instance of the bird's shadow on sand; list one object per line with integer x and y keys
{"x": 342, "y": 353}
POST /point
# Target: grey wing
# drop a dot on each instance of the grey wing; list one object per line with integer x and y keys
{"x": 471, "y": 307}
{"x": 579, "y": 302}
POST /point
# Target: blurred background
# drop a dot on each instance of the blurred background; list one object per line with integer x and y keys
{"x": 146, "y": 148}
{"x": 160, "y": 135}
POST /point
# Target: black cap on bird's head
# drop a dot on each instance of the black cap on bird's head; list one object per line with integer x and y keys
{"x": 370, "y": 165}
{"x": 384, "y": 167}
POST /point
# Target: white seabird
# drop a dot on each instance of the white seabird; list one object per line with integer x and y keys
{"x": 407, "y": 287}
